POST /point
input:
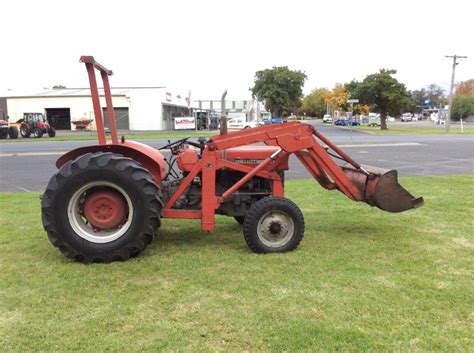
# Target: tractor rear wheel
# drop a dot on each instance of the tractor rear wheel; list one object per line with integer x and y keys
{"x": 273, "y": 224}
{"x": 37, "y": 132}
{"x": 101, "y": 207}
{"x": 25, "y": 131}
{"x": 3, "y": 134}
{"x": 51, "y": 132}
{"x": 13, "y": 132}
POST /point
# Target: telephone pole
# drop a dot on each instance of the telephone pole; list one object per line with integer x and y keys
{"x": 451, "y": 93}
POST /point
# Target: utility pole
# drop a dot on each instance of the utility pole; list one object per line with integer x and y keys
{"x": 451, "y": 90}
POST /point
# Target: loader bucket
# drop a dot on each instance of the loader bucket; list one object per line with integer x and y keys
{"x": 381, "y": 189}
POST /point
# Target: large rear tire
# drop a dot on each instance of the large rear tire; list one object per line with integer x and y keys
{"x": 273, "y": 225}
{"x": 3, "y": 133}
{"x": 101, "y": 207}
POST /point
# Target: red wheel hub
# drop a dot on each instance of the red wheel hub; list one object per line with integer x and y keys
{"x": 105, "y": 209}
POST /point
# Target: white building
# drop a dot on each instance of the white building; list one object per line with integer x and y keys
{"x": 136, "y": 108}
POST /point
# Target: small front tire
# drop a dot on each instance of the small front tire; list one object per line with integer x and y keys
{"x": 25, "y": 131}
{"x": 273, "y": 225}
{"x": 38, "y": 133}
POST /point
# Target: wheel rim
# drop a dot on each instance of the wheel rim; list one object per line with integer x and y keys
{"x": 275, "y": 228}
{"x": 100, "y": 212}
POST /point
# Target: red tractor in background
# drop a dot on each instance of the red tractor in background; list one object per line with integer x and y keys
{"x": 107, "y": 200}
{"x": 8, "y": 130}
{"x": 36, "y": 124}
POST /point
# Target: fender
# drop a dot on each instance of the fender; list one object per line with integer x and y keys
{"x": 150, "y": 158}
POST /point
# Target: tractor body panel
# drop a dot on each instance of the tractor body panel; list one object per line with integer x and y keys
{"x": 252, "y": 155}
{"x": 147, "y": 156}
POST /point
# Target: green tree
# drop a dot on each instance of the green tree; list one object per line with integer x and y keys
{"x": 313, "y": 103}
{"x": 384, "y": 94}
{"x": 280, "y": 88}
{"x": 353, "y": 88}
{"x": 463, "y": 106}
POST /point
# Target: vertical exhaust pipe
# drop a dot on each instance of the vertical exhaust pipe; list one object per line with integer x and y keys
{"x": 223, "y": 120}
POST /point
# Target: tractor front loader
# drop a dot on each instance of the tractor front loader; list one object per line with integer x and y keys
{"x": 106, "y": 201}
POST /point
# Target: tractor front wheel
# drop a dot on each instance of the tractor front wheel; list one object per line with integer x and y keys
{"x": 25, "y": 131}
{"x": 51, "y": 132}
{"x": 101, "y": 207}
{"x": 37, "y": 133}
{"x": 273, "y": 224}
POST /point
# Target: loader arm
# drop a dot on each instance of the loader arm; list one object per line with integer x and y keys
{"x": 375, "y": 186}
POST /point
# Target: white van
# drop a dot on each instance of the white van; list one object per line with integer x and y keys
{"x": 240, "y": 123}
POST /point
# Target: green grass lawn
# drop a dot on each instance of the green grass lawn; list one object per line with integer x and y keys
{"x": 396, "y": 130}
{"x": 361, "y": 280}
{"x": 133, "y": 135}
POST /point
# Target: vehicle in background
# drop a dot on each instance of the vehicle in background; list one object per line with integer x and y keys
{"x": 344, "y": 122}
{"x": 7, "y": 130}
{"x": 327, "y": 119}
{"x": 406, "y": 117}
{"x": 277, "y": 120}
{"x": 390, "y": 119}
{"x": 36, "y": 124}
{"x": 241, "y": 123}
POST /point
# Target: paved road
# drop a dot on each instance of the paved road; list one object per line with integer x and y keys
{"x": 28, "y": 166}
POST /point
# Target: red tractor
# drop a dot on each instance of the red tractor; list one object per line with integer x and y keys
{"x": 36, "y": 124}
{"x": 107, "y": 200}
{"x": 7, "y": 130}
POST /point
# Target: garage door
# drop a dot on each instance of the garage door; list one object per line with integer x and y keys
{"x": 59, "y": 118}
{"x": 121, "y": 118}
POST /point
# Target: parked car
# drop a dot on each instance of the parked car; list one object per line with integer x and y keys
{"x": 344, "y": 122}
{"x": 240, "y": 123}
{"x": 406, "y": 117}
{"x": 277, "y": 120}
{"x": 327, "y": 119}
{"x": 390, "y": 119}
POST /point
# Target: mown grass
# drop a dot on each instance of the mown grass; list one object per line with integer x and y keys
{"x": 133, "y": 135}
{"x": 395, "y": 130}
{"x": 361, "y": 280}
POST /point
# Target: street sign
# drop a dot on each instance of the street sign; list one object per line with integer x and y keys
{"x": 352, "y": 101}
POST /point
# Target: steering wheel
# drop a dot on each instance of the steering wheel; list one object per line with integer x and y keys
{"x": 175, "y": 143}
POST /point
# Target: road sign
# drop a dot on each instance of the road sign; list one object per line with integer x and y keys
{"x": 352, "y": 101}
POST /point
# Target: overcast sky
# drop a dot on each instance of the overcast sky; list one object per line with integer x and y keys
{"x": 208, "y": 46}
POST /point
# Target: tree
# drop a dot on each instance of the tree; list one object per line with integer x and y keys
{"x": 384, "y": 94}
{"x": 353, "y": 88}
{"x": 338, "y": 97}
{"x": 463, "y": 106}
{"x": 465, "y": 88}
{"x": 313, "y": 103}
{"x": 463, "y": 103}
{"x": 280, "y": 88}
{"x": 436, "y": 95}
{"x": 418, "y": 98}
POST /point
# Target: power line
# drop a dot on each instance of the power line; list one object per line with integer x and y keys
{"x": 455, "y": 57}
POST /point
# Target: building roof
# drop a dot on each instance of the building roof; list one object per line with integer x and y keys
{"x": 73, "y": 92}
